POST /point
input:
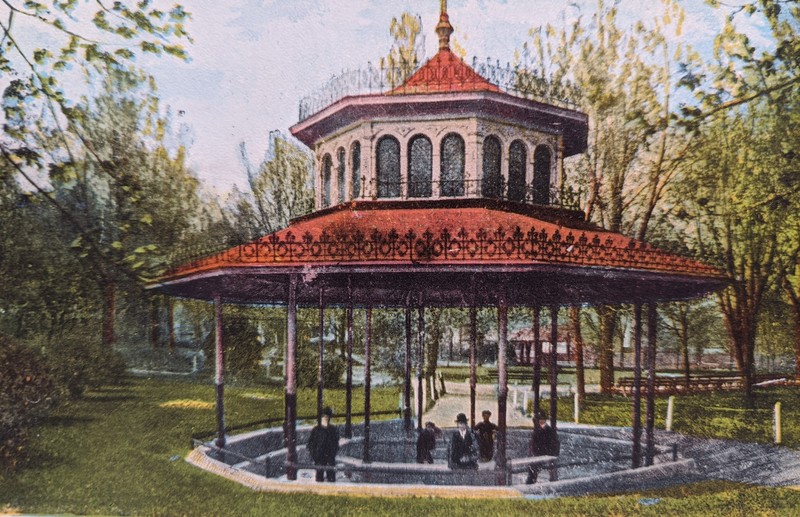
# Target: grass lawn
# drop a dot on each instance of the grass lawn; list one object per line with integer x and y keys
{"x": 120, "y": 451}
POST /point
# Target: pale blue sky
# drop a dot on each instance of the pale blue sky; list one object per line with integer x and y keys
{"x": 253, "y": 60}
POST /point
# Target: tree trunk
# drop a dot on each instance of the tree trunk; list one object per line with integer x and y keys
{"x": 796, "y": 341}
{"x": 608, "y": 323}
{"x": 687, "y": 375}
{"x": 109, "y": 311}
{"x": 580, "y": 379}
{"x": 171, "y": 323}
{"x": 154, "y": 321}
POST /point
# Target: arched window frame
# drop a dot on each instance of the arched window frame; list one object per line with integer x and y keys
{"x": 542, "y": 174}
{"x": 327, "y": 167}
{"x": 420, "y": 166}
{"x": 452, "y": 168}
{"x": 492, "y": 167}
{"x": 388, "y": 186}
{"x": 341, "y": 167}
{"x": 355, "y": 170}
{"x": 517, "y": 170}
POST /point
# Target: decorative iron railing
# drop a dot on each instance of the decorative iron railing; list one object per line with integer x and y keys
{"x": 565, "y": 197}
{"x": 515, "y": 80}
{"x": 453, "y": 245}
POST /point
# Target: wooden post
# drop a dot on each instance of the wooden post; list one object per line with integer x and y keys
{"x": 473, "y": 348}
{"x": 537, "y": 360}
{"x": 577, "y": 407}
{"x": 778, "y": 435}
{"x": 321, "y": 363}
{"x": 637, "y": 386}
{"x": 348, "y": 383}
{"x": 290, "y": 397}
{"x": 407, "y": 371}
{"x": 670, "y": 407}
{"x": 502, "y": 389}
{"x": 553, "y": 365}
{"x": 651, "y": 383}
{"x": 420, "y": 361}
{"x": 367, "y": 380}
{"x": 219, "y": 376}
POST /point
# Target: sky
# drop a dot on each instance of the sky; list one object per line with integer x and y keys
{"x": 252, "y": 61}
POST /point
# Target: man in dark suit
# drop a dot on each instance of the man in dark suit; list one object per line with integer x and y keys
{"x": 463, "y": 446}
{"x": 324, "y": 444}
{"x": 544, "y": 442}
{"x": 486, "y": 431}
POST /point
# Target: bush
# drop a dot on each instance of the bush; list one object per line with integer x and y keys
{"x": 79, "y": 364}
{"x": 308, "y": 365}
{"x": 242, "y": 347}
{"x": 27, "y": 392}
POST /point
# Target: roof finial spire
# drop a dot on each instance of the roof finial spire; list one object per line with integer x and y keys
{"x": 444, "y": 29}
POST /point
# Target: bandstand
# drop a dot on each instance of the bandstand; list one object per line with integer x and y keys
{"x": 446, "y": 190}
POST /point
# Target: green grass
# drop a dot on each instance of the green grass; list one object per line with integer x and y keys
{"x": 708, "y": 415}
{"x": 118, "y": 451}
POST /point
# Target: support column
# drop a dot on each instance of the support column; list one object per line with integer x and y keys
{"x": 219, "y": 376}
{"x": 348, "y": 383}
{"x": 652, "y": 316}
{"x": 421, "y": 361}
{"x": 537, "y": 359}
{"x": 637, "y": 386}
{"x": 553, "y": 365}
{"x": 290, "y": 396}
{"x": 473, "y": 347}
{"x": 367, "y": 380}
{"x": 321, "y": 364}
{"x": 502, "y": 388}
{"x": 407, "y": 371}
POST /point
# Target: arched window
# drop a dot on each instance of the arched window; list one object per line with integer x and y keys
{"x": 420, "y": 168}
{"x": 452, "y": 169}
{"x": 327, "y": 165}
{"x": 355, "y": 181}
{"x": 517, "y": 156}
{"x": 491, "y": 180}
{"x": 340, "y": 166}
{"x": 388, "y": 167}
{"x": 541, "y": 175}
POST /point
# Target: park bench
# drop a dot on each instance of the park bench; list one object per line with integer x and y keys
{"x": 697, "y": 383}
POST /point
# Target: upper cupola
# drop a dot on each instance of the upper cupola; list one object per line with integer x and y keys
{"x": 449, "y": 130}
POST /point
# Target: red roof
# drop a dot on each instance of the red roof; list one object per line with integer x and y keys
{"x": 380, "y": 233}
{"x": 444, "y": 72}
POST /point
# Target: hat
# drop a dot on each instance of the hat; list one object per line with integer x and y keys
{"x": 486, "y": 412}
{"x": 328, "y": 412}
{"x": 461, "y": 418}
{"x": 540, "y": 415}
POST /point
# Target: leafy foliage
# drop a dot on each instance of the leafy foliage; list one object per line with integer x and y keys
{"x": 27, "y": 392}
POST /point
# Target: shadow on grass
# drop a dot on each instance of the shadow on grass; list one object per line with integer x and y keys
{"x": 108, "y": 398}
{"x": 66, "y": 421}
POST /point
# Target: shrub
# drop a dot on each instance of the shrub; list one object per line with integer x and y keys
{"x": 242, "y": 347}
{"x": 27, "y": 392}
{"x": 308, "y": 365}
{"x": 79, "y": 364}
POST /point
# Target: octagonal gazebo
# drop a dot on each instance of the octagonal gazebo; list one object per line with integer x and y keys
{"x": 445, "y": 191}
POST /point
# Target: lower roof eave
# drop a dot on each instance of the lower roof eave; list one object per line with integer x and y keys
{"x": 583, "y": 284}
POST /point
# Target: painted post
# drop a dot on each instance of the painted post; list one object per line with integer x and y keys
{"x": 670, "y": 407}
{"x": 577, "y": 412}
{"x": 777, "y": 423}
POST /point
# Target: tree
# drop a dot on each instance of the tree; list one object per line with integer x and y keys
{"x": 621, "y": 79}
{"x": 404, "y": 55}
{"x": 280, "y": 189}
{"x": 44, "y": 141}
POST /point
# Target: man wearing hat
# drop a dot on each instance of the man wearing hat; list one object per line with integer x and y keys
{"x": 324, "y": 444}
{"x": 463, "y": 446}
{"x": 486, "y": 431}
{"x": 544, "y": 442}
